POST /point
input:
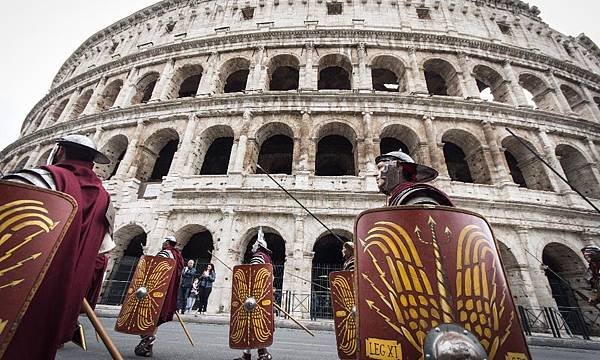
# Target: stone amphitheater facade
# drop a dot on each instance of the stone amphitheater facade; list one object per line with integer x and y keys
{"x": 187, "y": 97}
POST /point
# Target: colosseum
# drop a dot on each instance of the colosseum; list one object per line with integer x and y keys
{"x": 188, "y": 97}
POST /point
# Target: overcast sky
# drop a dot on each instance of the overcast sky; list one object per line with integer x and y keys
{"x": 36, "y": 37}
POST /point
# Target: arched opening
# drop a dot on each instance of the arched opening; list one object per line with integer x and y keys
{"x": 276, "y": 244}
{"x": 491, "y": 85}
{"x": 575, "y": 101}
{"x": 327, "y": 258}
{"x": 276, "y": 154}
{"x": 526, "y": 170}
{"x": 80, "y": 104}
{"x": 395, "y": 136}
{"x": 58, "y": 110}
{"x": 564, "y": 272}
{"x": 130, "y": 242}
{"x": 234, "y": 75}
{"x": 514, "y": 275}
{"x": 189, "y": 86}
{"x": 539, "y": 90}
{"x": 21, "y": 164}
{"x": 198, "y": 246}
{"x": 578, "y": 170}
{"x": 389, "y": 144}
{"x": 217, "y": 157}
{"x": 458, "y": 168}
{"x": 465, "y": 158}
{"x": 43, "y": 159}
{"x": 115, "y": 150}
{"x": 335, "y": 157}
{"x": 334, "y": 73}
{"x": 145, "y": 88}
{"x": 387, "y": 73}
{"x": 35, "y": 124}
{"x": 109, "y": 95}
{"x": 441, "y": 78}
{"x": 157, "y": 155}
{"x": 284, "y": 73}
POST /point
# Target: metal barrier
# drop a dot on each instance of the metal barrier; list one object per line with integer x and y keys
{"x": 561, "y": 322}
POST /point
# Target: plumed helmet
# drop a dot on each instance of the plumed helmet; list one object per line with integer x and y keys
{"x": 591, "y": 248}
{"x": 421, "y": 173}
{"x": 171, "y": 239}
{"x": 84, "y": 142}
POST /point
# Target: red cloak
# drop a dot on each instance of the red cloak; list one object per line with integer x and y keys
{"x": 170, "y": 304}
{"x": 97, "y": 277}
{"x": 52, "y": 314}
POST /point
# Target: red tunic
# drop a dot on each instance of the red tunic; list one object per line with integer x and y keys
{"x": 97, "y": 277}
{"x": 170, "y": 304}
{"x": 52, "y": 314}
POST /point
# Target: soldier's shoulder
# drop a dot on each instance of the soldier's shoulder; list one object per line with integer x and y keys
{"x": 38, "y": 177}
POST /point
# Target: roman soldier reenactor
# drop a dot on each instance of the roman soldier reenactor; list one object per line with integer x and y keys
{"x": 348, "y": 254}
{"x": 260, "y": 255}
{"x": 403, "y": 180}
{"x": 144, "y": 348}
{"x": 591, "y": 253}
{"x": 59, "y": 298}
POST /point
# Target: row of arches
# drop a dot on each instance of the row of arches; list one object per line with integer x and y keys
{"x": 336, "y": 153}
{"x": 564, "y": 265}
{"x": 387, "y": 73}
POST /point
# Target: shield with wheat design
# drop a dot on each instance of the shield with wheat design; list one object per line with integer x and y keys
{"x": 420, "y": 267}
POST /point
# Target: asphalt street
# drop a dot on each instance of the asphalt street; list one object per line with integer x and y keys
{"x": 212, "y": 344}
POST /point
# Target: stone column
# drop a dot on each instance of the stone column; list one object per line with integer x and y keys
{"x": 416, "y": 76}
{"x": 33, "y": 157}
{"x": 222, "y": 291}
{"x": 98, "y": 135}
{"x": 304, "y": 156}
{"x": 185, "y": 149}
{"x": 550, "y": 155}
{"x": 469, "y": 85}
{"x": 364, "y": 75}
{"x": 501, "y": 172}
{"x": 593, "y": 150}
{"x": 256, "y": 76}
{"x": 307, "y": 72}
{"x": 125, "y": 169}
{"x": 91, "y": 106}
{"x": 46, "y": 120}
{"x": 128, "y": 90}
{"x": 162, "y": 86}
{"x": 436, "y": 156}
{"x": 560, "y": 97}
{"x": 240, "y": 156}
{"x": 514, "y": 86}
{"x": 368, "y": 133}
{"x": 69, "y": 108}
{"x": 540, "y": 287}
{"x": 156, "y": 236}
{"x": 296, "y": 154}
{"x": 209, "y": 77}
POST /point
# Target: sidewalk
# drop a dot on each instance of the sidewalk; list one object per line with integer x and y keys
{"x": 542, "y": 340}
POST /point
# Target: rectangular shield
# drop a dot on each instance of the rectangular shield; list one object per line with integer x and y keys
{"x": 33, "y": 222}
{"x": 344, "y": 313}
{"x": 251, "y": 322}
{"x": 145, "y": 296}
{"x": 419, "y": 267}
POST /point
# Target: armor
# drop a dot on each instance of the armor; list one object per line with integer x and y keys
{"x": 397, "y": 167}
{"x": 33, "y": 223}
{"x": 591, "y": 253}
{"x": 145, "y": 296}
{"x": 430, "y": 284}
{"x": 251, "y": 316}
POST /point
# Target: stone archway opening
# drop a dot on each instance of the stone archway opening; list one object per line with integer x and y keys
{"x": 441, "y": 78}
{"x": 515, "y": 172}
{"x": 576, "y": 101}
{"x": 579, "y": 170}
{"x": 276, "y": 154}
{"x": 284, "y": 73}
{"x": 145, "y": 88}
{"x": 525, "y": 169}
{"x": 189, "y": 86}
{"x": 109, "y": 95}
{"x": 389, "y": 144}
{"x": 156, "y": 155}
{"x": 163, "y": 161}
{"x": 334, "y": 73}
{"x": 458, "y": 168}
{"x": 199, "y": 247}
{"x": 81, "y": 104}
{"x": 388, "y": 74}
{"x": 115, "y": 150}
{"x": 58, "y": 111}
{"x": 327, "y": 258}
{"x": 491, "y": 85}
{"x": 335, "y": 157}
{"x": 540, "y": 93}
{"x": 465, "y": 158}
{"x": 514, "y": 275}
{"x": 276, "y": 244}
{"x": 217, "y": 157}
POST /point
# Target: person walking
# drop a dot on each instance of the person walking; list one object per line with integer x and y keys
{"x": 206, "y": 282}
{"x": 187, "y": 278}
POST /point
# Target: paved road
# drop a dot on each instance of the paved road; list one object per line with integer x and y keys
{"x": 212, "y": 344}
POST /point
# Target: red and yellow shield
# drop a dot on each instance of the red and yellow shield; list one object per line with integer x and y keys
{"x": 420, "y": 267}
{"x": 33, "y": 222}
{"x": 251, "y": 318}
{"x": 344, "y": 313}
{"x": 145, "y": 296}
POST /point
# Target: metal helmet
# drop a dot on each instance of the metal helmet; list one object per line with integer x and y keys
{"x": 171, "y": 239}
{"x": 82, "y": 142}
{"x": 400, "y": 168}
{"x": 592, "y": 251}
{"x": 260, "y": 241}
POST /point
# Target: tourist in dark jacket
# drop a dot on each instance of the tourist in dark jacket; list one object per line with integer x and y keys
{"x": 187, "y": 279}
{"x": 206, "y": 282}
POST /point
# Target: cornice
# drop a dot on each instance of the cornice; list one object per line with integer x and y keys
{"x": 321, "y": 103}
{"x": 332, "y": 36}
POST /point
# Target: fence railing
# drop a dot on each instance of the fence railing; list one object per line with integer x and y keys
{"x": 561, "y": 322}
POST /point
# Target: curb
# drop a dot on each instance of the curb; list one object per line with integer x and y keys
{"x": 106, "y": 311}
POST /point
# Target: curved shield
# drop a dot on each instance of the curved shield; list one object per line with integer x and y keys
{"x": 145, "y": 296}
{"x": 419, "y": 267}
{"x": 251, "y": 320}
{"x": 33, "y": 222}
{"x": 344, "y": 313}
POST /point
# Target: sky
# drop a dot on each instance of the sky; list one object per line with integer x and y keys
{"x": 36, "y": 37}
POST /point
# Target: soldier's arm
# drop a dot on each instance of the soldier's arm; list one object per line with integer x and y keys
{"x": 35, "y": 177}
